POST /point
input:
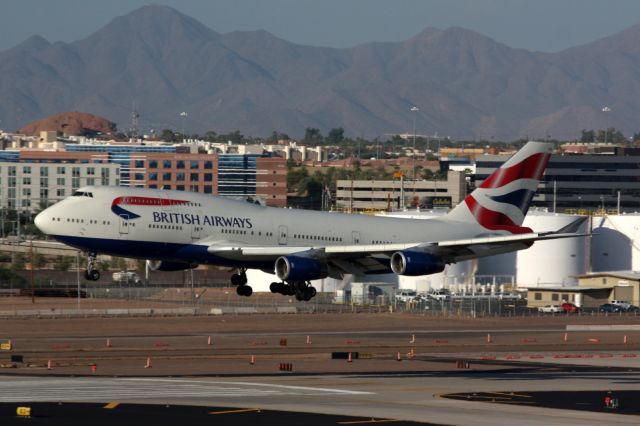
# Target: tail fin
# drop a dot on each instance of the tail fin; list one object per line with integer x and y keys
{"x": 502, "y": 201}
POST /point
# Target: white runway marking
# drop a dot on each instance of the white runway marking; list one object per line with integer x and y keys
{"x": 92, "y": 389}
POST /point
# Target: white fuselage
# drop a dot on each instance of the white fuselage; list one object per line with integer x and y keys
{"x": 179, "y": 226}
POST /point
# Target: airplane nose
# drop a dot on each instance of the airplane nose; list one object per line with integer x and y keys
{"x": 40, "y": 221}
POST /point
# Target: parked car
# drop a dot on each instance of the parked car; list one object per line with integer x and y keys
{"x": 406, "y": 296}
{"x": 622, "y": 303}
{"x": 609, "y": 308}
{"x": 441, "y": 294}
{"x": 550, "y": 309}
{"x": 570, "y": 308}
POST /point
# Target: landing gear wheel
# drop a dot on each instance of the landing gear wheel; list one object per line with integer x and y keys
{"x": 94, "y": 275}
{"x": 244, "y": 290}
{"x": 239, "y": 278}
{"x": 274, "y": 287}
{"x": 312, "y": 292}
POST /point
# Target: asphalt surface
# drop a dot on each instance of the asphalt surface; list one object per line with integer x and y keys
{"x": 70, "y": 414}
{"x": 627, "y": 401}
{"x": 531, "y": 372}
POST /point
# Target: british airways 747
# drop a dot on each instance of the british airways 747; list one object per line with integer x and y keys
{"x": 177, "y": 230}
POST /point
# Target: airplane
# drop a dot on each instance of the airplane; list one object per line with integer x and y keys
{"x": 177, "y": 230}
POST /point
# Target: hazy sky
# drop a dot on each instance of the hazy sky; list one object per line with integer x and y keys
{"x": 545, "y": 25}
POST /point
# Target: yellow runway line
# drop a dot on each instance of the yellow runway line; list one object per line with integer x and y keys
{"x": 244, "y": 410}
{"x": 111, "y": 405}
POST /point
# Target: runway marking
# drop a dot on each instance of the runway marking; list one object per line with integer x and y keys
{"x": 111, "y": 405}
{"x": 270, "y": 385}
{"x": 244, "y": 410}
{"x": 509, "y": 394}
{"x": 357, "y": 422}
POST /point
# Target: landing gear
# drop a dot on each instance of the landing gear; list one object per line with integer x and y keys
{"x": 302, "y": 290}
{"x": 240, "y": 280}
{"x": 92, "y": 274}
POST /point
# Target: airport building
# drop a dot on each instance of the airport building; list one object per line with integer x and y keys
{"x": 580, "y": 182}
{"x": 362, "y": 195}
{"x": 593, "y": 290}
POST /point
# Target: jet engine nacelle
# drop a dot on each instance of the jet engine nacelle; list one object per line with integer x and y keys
{"x": 160, "y": 265}
{"x": 414, "y": 263}
{"x": 294, "y": 268}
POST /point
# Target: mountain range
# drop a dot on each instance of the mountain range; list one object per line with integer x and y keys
{"x": 465, "y": 85}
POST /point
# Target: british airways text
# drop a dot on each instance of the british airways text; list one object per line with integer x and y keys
{"x": 188, "y": 219}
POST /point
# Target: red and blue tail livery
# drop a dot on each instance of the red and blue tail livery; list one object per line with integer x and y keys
{"x": 503, "y": 199}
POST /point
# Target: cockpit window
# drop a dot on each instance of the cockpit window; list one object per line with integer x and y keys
{"x": 82, "y": 194}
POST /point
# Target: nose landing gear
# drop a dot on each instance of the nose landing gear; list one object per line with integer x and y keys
{"x": 92, "y": 274}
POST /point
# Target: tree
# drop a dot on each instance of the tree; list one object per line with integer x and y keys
{"x": 18, "y": 263}
{"x": 63, "y": 263}
{"x": 168, "y": 135}
{"x": 335, "y": 136}
{"x": 211, "y": 136}
{"x": 587, "y": 136}
{"x": 312, "y": 136}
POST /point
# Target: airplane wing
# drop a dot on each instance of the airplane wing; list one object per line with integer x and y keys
{"x": 374, "y": 258}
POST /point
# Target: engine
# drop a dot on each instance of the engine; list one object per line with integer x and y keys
{"x": 414, "y": 263}
{"x": 294, "y": 268}
{"x": 160, "y": 265}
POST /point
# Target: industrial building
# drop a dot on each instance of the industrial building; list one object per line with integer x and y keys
{"x": 593, "y": 290}
{"x": 359, "y": 195}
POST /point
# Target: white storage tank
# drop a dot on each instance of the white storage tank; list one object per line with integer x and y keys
{"x": 553, "y": 262}
{"x": 615, "y": 245}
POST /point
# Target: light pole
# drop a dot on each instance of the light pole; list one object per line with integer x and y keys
{"x": 606, "y": 110}
{"x": 184, "y": 115}
{"x": 415, "y": 110}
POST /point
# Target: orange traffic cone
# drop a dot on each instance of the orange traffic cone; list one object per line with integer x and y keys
{"x": 625, "y": 340}
{"x": 399, "y": 356}
{"x": 253, "y": 360}
{"x": 209, "y": 341}
{"x": 308, "y": 340}
{"x": 49, "y": 365}
{"x": 108, "y": 343}
{"x": 94, "y": 368}
{"x": 410, "y": 354}
{"x": 349, "y": 358}
{"x": 489, "y": 338}
{"x": 148, "y": 364}
{"x": 566, "y": 337}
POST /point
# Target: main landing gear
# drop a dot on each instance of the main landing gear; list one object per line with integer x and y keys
{"x": 92, "y": 274}
{"x": 240, "y": 280}
{"x": 302, "y": 290}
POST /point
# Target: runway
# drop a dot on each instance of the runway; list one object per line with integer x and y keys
{"x": 208, "y": 362}
{"x": 411, "y": 397}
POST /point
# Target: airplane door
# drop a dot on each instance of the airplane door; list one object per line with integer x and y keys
{"x": 124, "y": 224}
{"x": 355, "y": 237}
{"x": 282, "y": 235}
{"x": 196, "y": 228}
